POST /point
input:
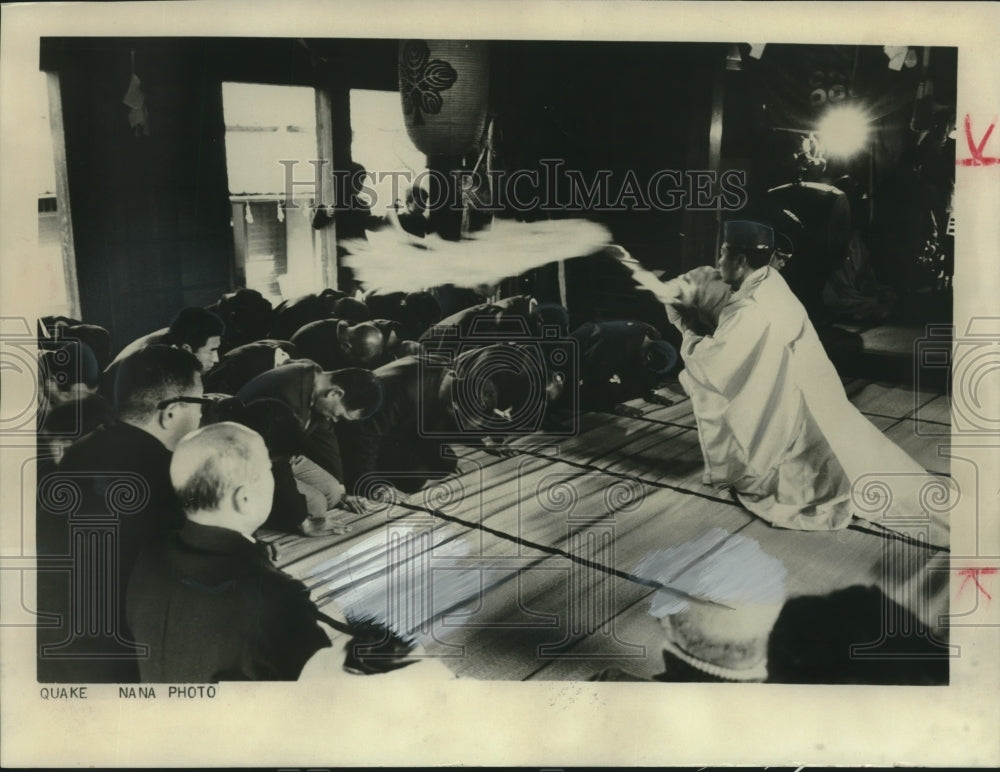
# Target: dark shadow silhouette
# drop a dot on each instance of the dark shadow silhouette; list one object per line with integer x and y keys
{"x": 841, "y": 638}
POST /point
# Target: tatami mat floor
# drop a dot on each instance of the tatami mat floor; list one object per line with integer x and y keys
{"x": 521, "y": 567}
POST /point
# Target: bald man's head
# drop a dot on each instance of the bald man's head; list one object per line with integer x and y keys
{"x": 365, "y": 342}
{"x": 222, "y": 475}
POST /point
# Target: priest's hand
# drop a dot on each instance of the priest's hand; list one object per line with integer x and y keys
{"x": 679, "y": 315}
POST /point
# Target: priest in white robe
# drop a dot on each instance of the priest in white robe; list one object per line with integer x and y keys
{"x": 773, "y": 420}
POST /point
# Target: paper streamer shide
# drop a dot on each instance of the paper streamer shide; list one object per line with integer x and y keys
{"x": 392, "y": 261}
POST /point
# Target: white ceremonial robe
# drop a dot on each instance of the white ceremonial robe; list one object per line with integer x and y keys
{"x": 702, "y": 293}
{"x": 775, "y": 424}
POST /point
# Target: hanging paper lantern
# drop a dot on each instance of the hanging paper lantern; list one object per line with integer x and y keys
{"x": 444, "y": 86}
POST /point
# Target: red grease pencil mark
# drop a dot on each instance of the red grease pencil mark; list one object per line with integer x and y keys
{"x": 973, "y": 574}
{"x": 977, "y": 150}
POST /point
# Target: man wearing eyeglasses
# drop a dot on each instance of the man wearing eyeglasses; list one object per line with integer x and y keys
{"x": 119, "y": 475}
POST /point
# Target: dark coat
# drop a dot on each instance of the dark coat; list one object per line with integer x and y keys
{"x": 407, "y": 441}
{"x": 295, "y": 312}
{"x": 107, "y": 381}
{"x": 212, "y": 606}
{"x": 247, "y": 317}
{"x": 611, "y": 366}
{"x": 117, "y": 466}
{"x": 394, "y": 440}
{"x": 242, "y": 364}
{"x": 320, "y": 342}
{"x": 485, "y": 324}
{"x": 415, "y": 312}
{"x": 292, "y": 383}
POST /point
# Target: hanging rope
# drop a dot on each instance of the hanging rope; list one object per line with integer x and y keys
{"x": 468, "y": 187}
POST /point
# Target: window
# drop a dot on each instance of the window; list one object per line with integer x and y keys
{"x": 54, "y": 260}
{"x": 379, "y": 142}
{"x": 275, "y": 245}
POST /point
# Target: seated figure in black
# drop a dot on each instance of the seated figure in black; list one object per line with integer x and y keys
{"x": 240, "y": 365}
{"x": 431, "y": 402}
{"x": 416, "y": 312}
{"x": 486, "y": 323}
{"x": 247, "y": 317}
{"x": 207, "y": 600}
{"x": 325, "y": 403}
{"x": 336, "y": 343}
{"x": 192, "y": 329}
{"x": 123, "y": 497}
{"x": 619, "y": 361}
{"x": 295, "y": 312}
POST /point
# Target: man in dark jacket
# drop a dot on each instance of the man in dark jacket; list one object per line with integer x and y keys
{"x": 192, "y": 329}
{"x": 621, "y": 360}
{"x": 242, "y": 364}
{"x": 510, "y": 318}
{"x": 119, "y": 496}
{"x": 293, "y": 313}
{"x": 336, "y": 343}
{"x": 207, "y": 600}
{"x": 320, "y": 399}
{"x": 416, "y": 312}
{"x": 247, "y": 317}
{"x": 429, "y": 402}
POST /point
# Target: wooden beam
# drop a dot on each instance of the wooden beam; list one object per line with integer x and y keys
{"x": 326, "y": 237}
{"x": 240, "y": 247}
{"x": 62, "y": 195}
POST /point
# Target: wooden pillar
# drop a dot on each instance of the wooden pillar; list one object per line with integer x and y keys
{"x": 325, "y": 245}
{"x": 701, "y": 228}
{"x": 241, "y": 249}
{"x": 62, "y": 196}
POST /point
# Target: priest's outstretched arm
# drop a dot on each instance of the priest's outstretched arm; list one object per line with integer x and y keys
{"x": 723, "y": 361}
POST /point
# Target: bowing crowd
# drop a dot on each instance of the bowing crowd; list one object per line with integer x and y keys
{"x": 158, "y": 467}
{"x": 240, "y": 416}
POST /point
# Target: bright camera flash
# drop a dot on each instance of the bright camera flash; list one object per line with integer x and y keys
{"x": 843, "y": 131}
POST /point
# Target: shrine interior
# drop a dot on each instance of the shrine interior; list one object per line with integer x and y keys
{"x": 355, "y": 172}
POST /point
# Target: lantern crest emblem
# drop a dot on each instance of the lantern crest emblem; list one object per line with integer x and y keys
{"x": 421, "y": 80}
